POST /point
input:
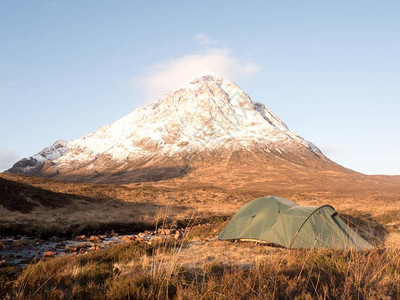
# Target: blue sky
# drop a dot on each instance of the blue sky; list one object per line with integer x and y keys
{"x": 329, "y": 69}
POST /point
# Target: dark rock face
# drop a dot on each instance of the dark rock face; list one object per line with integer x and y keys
{"x": 28, "y": 166}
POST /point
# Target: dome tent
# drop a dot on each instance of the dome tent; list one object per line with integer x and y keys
{"x": 283, "y": 222}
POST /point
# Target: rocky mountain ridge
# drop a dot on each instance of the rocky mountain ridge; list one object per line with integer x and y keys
{"x": 209, "y": 121}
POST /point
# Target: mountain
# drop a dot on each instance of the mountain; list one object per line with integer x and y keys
{"x": 208, "y": 123}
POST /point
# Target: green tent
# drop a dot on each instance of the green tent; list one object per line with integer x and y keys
{"x": 283, "y": 222}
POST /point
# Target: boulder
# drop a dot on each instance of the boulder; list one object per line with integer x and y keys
{"x": 3, "y": 246}
{"x": 69, "y": 248}
{"x": 35, "y": 260}
{"x": 60, "y": 245}
{"x": 23, "y": 242}
{"x": 94, "y": 238}
{"x": 81, "y": 246}
{"x": 49, "y": 254}
{"x": 127, "y": 239}
{"x": 80, "y": 237}
{"x": 76, "y": 247}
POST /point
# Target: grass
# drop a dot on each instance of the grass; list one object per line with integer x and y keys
{"x": 141, "y": 271}
{"x": 139, "y": 205}
{"x": 200, "y": 267}
{"x": 119, "y": 207}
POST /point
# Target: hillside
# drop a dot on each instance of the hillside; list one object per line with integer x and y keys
{"x": 210, "y": 122}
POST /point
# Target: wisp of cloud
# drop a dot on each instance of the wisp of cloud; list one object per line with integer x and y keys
{"x": 171, "y": 74}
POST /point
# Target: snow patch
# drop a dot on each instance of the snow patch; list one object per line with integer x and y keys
{"x": 209, "y": 113}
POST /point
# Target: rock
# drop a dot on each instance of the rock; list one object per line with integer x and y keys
{"x": 93, "y": 248}
{"x": 70, "y": 248}
{"x": 49, "y": 254}
{"x": 76, "y": 247}
{"x": 127, "y": 239}
{"x": 35, "y": 260}
{"x": 80, "y": 237}
{"x": 17, "y": 237}
{"x": 94, "y": 238}
{"x": 3, "y": 246}
{"x": 167, "y": 231}
{"x": 103, "y": 237}
{"x": 139, "y": 238}
{"x": 177, "y": 235}
{"x": 81, "y": 246}
{"x": 22, "y": 242}
{"x": 60, "y": 245}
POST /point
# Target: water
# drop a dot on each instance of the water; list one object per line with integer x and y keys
{"x": 21, "y": 251}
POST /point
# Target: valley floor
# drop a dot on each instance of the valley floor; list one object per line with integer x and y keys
{"x": 197, "y": 266}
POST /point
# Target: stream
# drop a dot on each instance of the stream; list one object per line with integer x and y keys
{"x": 20, "y": 251}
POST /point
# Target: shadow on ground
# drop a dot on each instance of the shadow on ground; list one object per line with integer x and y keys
{"x": 368, "y": 228}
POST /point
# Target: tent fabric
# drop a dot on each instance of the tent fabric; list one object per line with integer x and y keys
{"x": 283, "y": 222}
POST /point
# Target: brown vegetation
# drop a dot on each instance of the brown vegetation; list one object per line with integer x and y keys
{"x": 200, "y": 267}
{"x": 369, "y": 201}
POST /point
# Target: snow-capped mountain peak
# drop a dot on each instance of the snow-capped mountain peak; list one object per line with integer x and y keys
{"x": 209, "y": 115}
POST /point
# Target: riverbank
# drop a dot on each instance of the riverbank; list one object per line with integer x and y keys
{"x": 198, "y": 266}
{"x": 21, "y": 251}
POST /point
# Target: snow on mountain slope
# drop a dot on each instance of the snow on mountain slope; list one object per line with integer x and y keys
{"x": 209, "y": 115}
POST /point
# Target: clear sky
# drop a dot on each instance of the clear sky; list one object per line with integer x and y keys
{"x": 330, "y": 69}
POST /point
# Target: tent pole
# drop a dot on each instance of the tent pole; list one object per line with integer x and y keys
{"x": 297, "y": 232}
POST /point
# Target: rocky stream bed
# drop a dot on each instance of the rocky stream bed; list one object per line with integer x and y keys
{"x": 23, "y": 250}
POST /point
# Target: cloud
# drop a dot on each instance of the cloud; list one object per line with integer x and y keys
{"x": 204, "y": 39}
{"x": 7, "y": 159}
{"x": 171, "y": 74}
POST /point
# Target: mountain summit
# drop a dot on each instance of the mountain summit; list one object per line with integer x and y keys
{"x": 207, "y": 122}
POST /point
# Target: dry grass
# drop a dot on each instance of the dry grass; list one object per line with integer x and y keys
{"x": 200, "y": 267}
{"x": 140, "y": 204}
